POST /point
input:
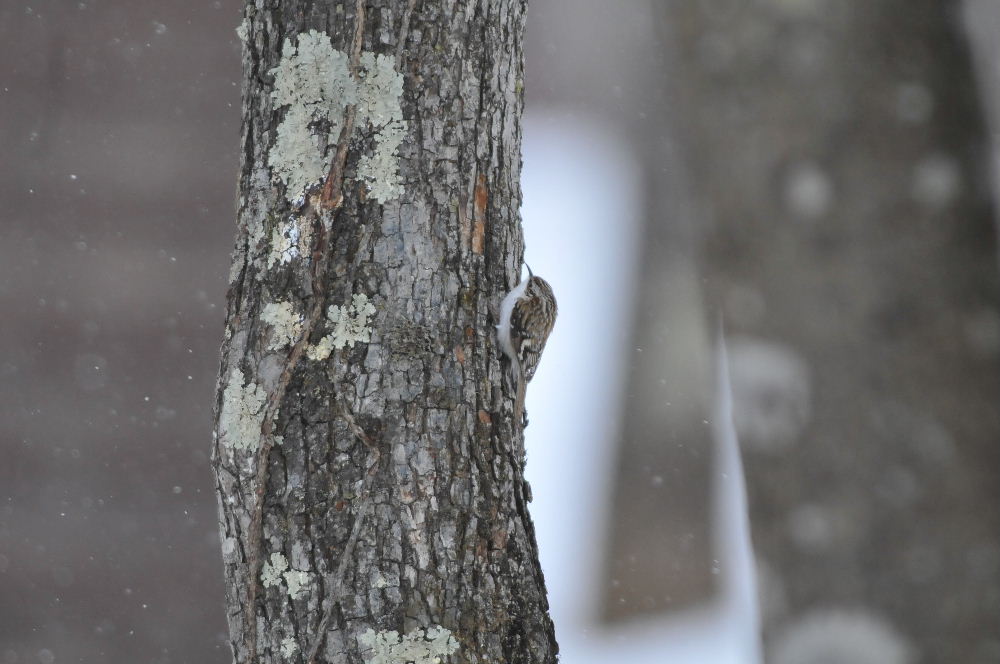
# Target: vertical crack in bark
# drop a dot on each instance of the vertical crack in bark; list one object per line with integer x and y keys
{"x": 267, "y": 434}
{"x": 404, "y": 31}
{"x": 330, "y": 200}
{"x": 333, "y": 189}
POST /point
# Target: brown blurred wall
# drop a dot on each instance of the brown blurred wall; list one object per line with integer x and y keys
{"x": 119, "y": 128}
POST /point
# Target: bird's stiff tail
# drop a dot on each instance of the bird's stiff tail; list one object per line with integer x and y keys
{"x": 519, "y": 395}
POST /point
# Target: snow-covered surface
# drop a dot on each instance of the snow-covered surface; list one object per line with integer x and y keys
{"x": 582, "y": 206}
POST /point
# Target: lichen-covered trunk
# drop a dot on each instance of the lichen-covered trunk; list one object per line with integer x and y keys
{"x": 373, "y": 507}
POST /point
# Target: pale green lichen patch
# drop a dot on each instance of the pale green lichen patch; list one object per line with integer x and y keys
{"x": 416, "y": 647}
{"x": 277, "y": 568}
{"x": 350, "y": 323}
{"x": 350, "y": 326}
{"x": 285, "y": 324}
{"x": 297, "y": 581}
{"x": 289, "y": 647}
{"x": 321, "y": 349}
{"x": 242, "y": 413}
{"x": 270, "y": 575}
{"x": 313, "y": 80}
{"x": 381, "y": 90}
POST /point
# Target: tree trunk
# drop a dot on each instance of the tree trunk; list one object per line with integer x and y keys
{"x": 373, "y": 506}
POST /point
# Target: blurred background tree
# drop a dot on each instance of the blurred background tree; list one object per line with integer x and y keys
{"x": 840, "y": 163}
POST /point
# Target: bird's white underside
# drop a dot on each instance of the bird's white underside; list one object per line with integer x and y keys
{"x": 503, "y": 329}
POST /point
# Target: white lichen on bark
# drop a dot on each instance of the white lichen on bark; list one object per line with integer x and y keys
{"x": 276, "y": 569}
{"x": 297, "y": 581}
{"x": 241, "y": 414}
{"x": 350, "y": 326}
{"x": 381, "y": 91}
{"x": 313, "y": 80}
{"x": 321, "y": 349}
{"x": 271, "y": 573}
{"x": 285, "y": 324}
{"x": 289, "y": 647}
{"x": 417, "y": 646}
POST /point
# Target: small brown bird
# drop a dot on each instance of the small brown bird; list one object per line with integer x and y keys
{"x": 527, "y": 315}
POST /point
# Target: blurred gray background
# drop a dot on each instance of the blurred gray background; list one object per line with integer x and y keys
{"x": 119, "y": 125}
{"x": 817, "y": 171}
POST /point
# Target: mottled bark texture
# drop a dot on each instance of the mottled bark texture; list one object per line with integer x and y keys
{"x": 394, "y": 522}
{"x": 839, "y": 158}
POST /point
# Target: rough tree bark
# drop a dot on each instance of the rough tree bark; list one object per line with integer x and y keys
{"x": 373, "y": 506}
